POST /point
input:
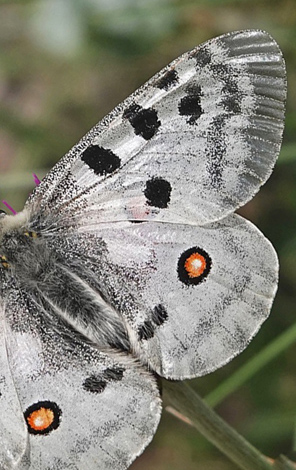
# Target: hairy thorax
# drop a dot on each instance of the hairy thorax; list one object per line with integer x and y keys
{"x": 29, "y": 258}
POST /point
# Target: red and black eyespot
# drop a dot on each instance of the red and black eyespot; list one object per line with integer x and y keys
{"x": 193, "y": 266}
{"x": 42, "y": 417}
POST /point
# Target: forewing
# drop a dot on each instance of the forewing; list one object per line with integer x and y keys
{"x": 190, "y": 146}
{"x": 83, "y": 408}
{"x": 193, "y": 297}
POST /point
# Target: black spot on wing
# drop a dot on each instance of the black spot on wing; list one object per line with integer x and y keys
{"x": 114, "y": 374}
{"x": 168, "y": 80}
{"x": 202, "y": 56}
{"x": 102, "y": 161}
{"x": 190, "y": 104}
{"x": 158, "y": 192}
{"x": 144, "y": 120}
{"x": 146, "y": 331}
{"x": 97, "y": 383}
{"x": 94, "y": 384}
{"x": 159, "y": 315}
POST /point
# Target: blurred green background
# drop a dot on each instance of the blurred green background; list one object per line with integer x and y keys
{"x": 63, "y": 65}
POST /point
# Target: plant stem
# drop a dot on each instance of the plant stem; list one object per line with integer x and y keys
{"x": 181, "y": 396}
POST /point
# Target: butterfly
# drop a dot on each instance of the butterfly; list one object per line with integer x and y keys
{"x": 128, "y": 261}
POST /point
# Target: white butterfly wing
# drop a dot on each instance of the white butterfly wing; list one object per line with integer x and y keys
{"x": 193, "y": 144}
{"x": 13, "y": 431}
{"x": 212, "y": 288}
{"x": 193, "y": 297}
{"x": 189, "y": 147}
{"x": 83, "y": 408}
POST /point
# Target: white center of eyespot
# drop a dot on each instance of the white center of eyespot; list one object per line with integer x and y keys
{"x": 196, "y": 263}
{"x": 39, "y": 421}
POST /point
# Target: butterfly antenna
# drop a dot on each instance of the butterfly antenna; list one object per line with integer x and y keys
{"x": 9, "y": 207}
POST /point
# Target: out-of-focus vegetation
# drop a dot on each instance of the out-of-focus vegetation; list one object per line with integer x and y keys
{"x": 63, "y": 65}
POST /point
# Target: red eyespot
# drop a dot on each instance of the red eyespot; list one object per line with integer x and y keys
{"x": 193, "y": 266}
{"x": 42, "y": 417}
